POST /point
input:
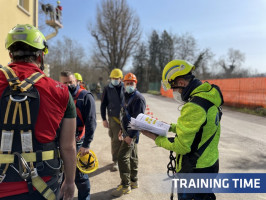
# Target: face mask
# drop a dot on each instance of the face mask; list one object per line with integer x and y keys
{"x": 130, "y": 89}
{"x": 177, "y": 97}
{"x": 72, "y": 88}
{"x": 115, "y": 82}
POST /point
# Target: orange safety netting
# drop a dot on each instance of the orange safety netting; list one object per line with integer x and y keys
{"x": 238, "y": 91}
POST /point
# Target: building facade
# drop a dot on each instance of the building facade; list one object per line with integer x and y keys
{"x": 13, "y": 12}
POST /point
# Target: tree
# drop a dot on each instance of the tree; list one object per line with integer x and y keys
{"x": 166, "y": 50}
{"x": 154, "y": 51}
{"x": 185, "y": 47}
{"x": 140, "y": 67}
{"x": 65, "y": 54}
{"x": 117, "y": 31}
{"x": 201, "y": 63}
{"x": 231, "y": 63}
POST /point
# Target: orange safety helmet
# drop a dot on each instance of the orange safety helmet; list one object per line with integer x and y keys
{"x": 130, "y": 77}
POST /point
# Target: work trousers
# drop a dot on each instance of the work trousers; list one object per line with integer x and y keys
{"x": 82, "y": 182}
{"x": 203, "y": 196}
{"x": 128, "y": 163}
{"x": 114, "y": 129}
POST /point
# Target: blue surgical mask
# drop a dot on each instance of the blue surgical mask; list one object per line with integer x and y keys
{"x": 115, "y": 82}
{"x": 130, "y": 89}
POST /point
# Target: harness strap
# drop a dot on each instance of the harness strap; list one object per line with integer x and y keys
{"x": 10, "y": 75}
{"x": 205, "y": 104}
{"x": 27, "y": 83}
{"x": 82, "y": 129}
{"x": 116, "y": 120}
{"x": 43, "y": 188}
{"x": 29, "y": 157}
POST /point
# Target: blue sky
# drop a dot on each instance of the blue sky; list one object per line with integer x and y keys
{"x": 215, "y": 24}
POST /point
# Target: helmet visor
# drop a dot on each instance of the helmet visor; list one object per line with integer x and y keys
{"x": 165, "y": 84}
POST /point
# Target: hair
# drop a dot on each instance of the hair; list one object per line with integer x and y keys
{"x": 21, "y": 52}
{"x": 66, "y": 73}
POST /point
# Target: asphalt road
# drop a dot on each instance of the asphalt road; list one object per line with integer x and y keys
{"x": 242, "y": 150}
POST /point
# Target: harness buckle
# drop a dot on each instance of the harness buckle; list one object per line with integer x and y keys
{"x": 34, "y": 173}
{"x": 23, "y": 163}
{"x": 24, "y": 175}
{"x": 2, "y": 177}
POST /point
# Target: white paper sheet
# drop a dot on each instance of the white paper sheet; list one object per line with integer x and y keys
{"x": 145, "y": 122}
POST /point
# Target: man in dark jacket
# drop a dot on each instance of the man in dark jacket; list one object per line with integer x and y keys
{"x": 111, "y": 100}
{"x": 133, "y": 104}
{"x": 86, "y": 125}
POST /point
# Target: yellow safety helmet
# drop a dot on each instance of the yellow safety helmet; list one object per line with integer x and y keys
{"x": 116, "y": 73}
{"x": 174, "y": 69}
{"x": 88, "y": 163}
{"x": 78, "y": 76}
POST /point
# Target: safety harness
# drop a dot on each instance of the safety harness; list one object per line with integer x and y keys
{"x": 80, "y": 129}
{"x": 20, "y": 152}
{"x": 124, "y": 114}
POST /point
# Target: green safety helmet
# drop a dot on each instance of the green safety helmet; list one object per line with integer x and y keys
{"x": 174, "y": 69}
{"x": 27, "y": 34}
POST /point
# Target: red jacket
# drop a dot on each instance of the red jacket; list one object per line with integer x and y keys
{"x": 54, "y": 97}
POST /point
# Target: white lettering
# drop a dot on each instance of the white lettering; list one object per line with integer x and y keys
{"x": 175, "y": 182}
{"x": 192, "y": 184}
{"x": 248, "y": 183}
{"x": 225, "y": 183}
{"x": 257, "y": 183}
{"x": 205, "y": 183}
{"x": 235, "y": 182}
{"x": 183, "y": 182}
{"x": 217, "y": 183}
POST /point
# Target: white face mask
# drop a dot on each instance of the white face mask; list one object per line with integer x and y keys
{"x": 115, "y": 82}
{"x": 177, "y": 97}
{"x": 130, "y": 89}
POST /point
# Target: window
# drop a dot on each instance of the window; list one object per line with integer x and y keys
{"x": 24, "y": 5}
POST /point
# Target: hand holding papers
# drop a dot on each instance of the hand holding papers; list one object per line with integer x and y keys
{"x": 145, "y": 122}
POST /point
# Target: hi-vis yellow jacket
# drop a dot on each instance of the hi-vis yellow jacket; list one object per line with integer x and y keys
{"x": 189, "y": 123}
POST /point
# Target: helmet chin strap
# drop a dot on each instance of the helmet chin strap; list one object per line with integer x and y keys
{"x": 178, "y": 87}
{"x": 42, "y": 64}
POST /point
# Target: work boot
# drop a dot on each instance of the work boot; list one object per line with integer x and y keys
{"x": 114, "y": 167}
{"x": 120, "y": 190}
{"x": 134, "y": 185}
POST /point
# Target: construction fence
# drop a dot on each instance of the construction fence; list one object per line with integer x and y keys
{"x": 238, "y": 92}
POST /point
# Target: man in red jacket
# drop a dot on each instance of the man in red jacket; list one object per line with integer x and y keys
{"x": 32, "y": 107}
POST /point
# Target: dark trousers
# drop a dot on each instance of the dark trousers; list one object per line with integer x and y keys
{"x": 201, "y": 196}
{"x": 83, "y": 183}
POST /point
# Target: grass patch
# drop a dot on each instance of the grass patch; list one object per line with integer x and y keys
{"x": 253, "y": 111}
{"x": 154, "y": 92}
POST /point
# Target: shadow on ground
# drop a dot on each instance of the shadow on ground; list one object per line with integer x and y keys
{"x": 103, "y": 195}
{"x": 251, "y": 162}
{"x": 101, "y": 170}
